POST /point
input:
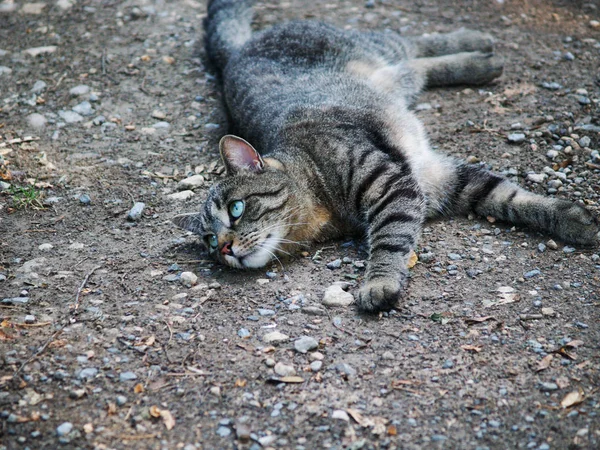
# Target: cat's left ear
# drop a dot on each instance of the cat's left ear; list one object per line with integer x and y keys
{"x": 237, "y": 154}
{"x": 189, "y": 222}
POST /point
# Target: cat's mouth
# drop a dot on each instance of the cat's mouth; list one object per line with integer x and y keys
{"x": 256, "y": 257}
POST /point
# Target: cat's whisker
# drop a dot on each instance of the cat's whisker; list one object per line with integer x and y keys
{"x": 273, "y": 255}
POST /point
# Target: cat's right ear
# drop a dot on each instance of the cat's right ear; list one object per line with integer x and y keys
{"x": 190, "y": 222}
{"x": 237, "y": 155}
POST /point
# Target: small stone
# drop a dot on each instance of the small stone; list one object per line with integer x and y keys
{"x": 88, "y": 373}
{"x": 336, "y": 264}
{"x": 188, "y": 279}
{"x": 243, "y": 333}
{"x": 45, "y": 247}
{"x": 265, "y": 312}
{"x": 135, "y": 213}
{"x": 341, "y": 415}
{"x": 516, "y": 138}
{"x": 569, "y": 56}
{"x": 33, "y": 8}
{"x": 345, "y": 369}
{"x": 36, "y": 121}
{"x": 541, "y": 248}
{"x": 336, "y": 296}
{"x": 594, "y": 24}
{"x": 388, "y": 355}
{"x": 537, "y": 177}
{"x": 84, "y": 108}
{"x": 568, "y": 249}
{"x": 548, "y": 312}
{"x": 270, "y": 362}
{"x": 127, "y": 376}
{"x": 38, "y": 87}
{"x": 306, "y": 344}
{"x": 448, "y": 364}
{"x": 284, "y": 370}
{"x": 64, "y": 429}
{"x": 161, "y": 125}
{"x": 121, "y": 400}
{"x": 552, "y": 245}
{"x": 275, "y": 338}
{"x": 585, "y": 141}
{"x": 70, "y": 116}
{"x": 426, "y": 257}
{"x": 262, "y": 281}
{"x": 315, "y": 366}
{"x": 78, "y": 90}
{"x": 36, "y": 51}
{"x": 551, "y": 154}
{"x": 223, "y": 431}
{"x": 76, "y": 246}
{"x": 191, "y": 182}
{"x": 181, "y": 196}
{"x": 15, "y": 301}
{"x": 454, "y": 256}
{"x": 532, "y": 273}
{"x": 158, "y": 115}
{"x": 547, "y": 387}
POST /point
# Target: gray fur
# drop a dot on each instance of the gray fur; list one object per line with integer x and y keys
{"x": 342, "y": 153}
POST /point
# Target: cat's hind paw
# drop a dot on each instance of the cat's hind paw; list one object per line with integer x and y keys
{"x": 576, "y": 225}
{"x": 379, "y": 295}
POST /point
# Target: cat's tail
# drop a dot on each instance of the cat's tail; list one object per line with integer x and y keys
{"x": 487, "y": 194}
{"x": 228, "y": 27}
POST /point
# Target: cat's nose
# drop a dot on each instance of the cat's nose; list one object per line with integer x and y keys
{"x": 226, "y": 249}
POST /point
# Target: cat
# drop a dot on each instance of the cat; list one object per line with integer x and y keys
{"x": 329, "y": 147}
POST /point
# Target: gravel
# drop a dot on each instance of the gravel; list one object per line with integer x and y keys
{"x": 306, "y": 344}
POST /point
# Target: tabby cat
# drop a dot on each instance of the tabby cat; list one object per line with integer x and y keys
{"x": 335, "y": 149}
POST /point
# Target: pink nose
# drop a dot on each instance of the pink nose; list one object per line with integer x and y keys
{"x": 226, "y": 249}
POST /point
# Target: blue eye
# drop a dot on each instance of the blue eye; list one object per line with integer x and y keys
{"x": 236, "y": 209}
{"x": 213, "y": 241}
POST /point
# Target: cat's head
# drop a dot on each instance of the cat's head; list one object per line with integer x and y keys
{"x": 248, "y": 215}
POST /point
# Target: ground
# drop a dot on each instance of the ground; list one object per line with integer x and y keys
{"x": 496, "y": 345}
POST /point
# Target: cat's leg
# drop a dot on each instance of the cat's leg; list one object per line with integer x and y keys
{"x": 472, "y": 68}
{"x": 488, "y": 194}
{"x": 394, "y": 208}
{"x": 459, "y": 41}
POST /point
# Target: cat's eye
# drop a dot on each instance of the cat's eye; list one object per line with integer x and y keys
{"x": 212, "y": 241}
{"x": 236, "y": 209}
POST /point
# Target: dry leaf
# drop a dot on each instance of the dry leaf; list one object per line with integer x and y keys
{"x": 471, "y": 348}
{"x": 138, "y": 388}
{"x": 291, "y": 379}
{"x": 412, "y": 259}
{"x": 57, "y": 343}
{"x": 111, "y": 409}
{"x": 574, "y": 344}
{"x": 167, "y": 418}
{"x": 5, "y": 337}
{"x": 544, "y": 363}
{"x": 562, "y": 382}
{"x": 358, "y": 417}
{"x": 401, "y": 383}
{"x": 474, "y": 320}
{"x": 392, "y": 430}
{"x": 155, "y": 411}
{"x": 572, "y": 399}
{"x": 88, "y": 428}
{"x": 240, "y": 383}
{"x": 150, "y": 341}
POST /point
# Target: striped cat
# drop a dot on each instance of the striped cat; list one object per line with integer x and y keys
{"x": 330, "y": 147}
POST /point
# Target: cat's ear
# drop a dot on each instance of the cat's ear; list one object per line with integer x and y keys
{"x": 189, "y": 222}
{"x": 237, "y": 154}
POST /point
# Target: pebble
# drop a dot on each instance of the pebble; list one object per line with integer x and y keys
{"x": 38, "y": 87}
{"x": 532, "y": 273}
{"x": 551, "y": 154}
{"x": 568, "y": 249}
{"x": 76, "y": 246}
{"x": 36, "y": 121}
{"x": 548, "y": 312}
{"x": 552, "y": 245}
{"x": 29, "y": 319}
{"x": 585, "y": 141}
{"x": 45, "y": 247}
{"x": 448, "y": 364}
{"x": 84, "y": 108}
{"x": 284, "y": 370}
{"x": 569, "y": 56}
{"x": 275, "y": 338}
{"x": 223, "y": 431}
{"x": 84, "y": 199}
{"x": 121, "y": 400}
{"x": 135, "y": 213}
{"x": 516, "y": 138}
{"x": 36, "y": 51}
{"x": 78, "y": 90}
{"x": 127, "y": 376}
{"x": 345, "y": 369}
{"x": 158, "y": 115}
{"x": 426, "y": 257}
{"x": 5, "y": 70}
{"x": 341, "y": 415}
{"x": 188, "y": 279}
{"x": 64, "y": 429}
{"x": 265, "y": 312}
{"x": 191, "y": 182}
{"x": 315, "y": 366}
{"x": 541, "y": 248}
{"x": 243, "y": 333}
{"x": 547, "y": 386}
{"x": 161, "y": 125}
{"x": 181, "y": 196}
{"x": 15, "y": 301}
{"x": 336, "y": 296}
{"x": 305, "y": 344}
{"x": 454, "y": 256}
{"x": 336, "y": 264}
{"x": 88, "y": 373}
{"x": 553, "y": 86}
{"x": 70, "y": 116}
{"x": 270, "y": 362}
{"x": 537, "y": 177}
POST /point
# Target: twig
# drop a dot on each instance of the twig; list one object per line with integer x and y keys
{"x": 342, "y": 329}
{"x": 39, "y": 351}
{"x": 170, "y": 332}
{"x": 85, "y": 280}
{"x": 48, "y": 230}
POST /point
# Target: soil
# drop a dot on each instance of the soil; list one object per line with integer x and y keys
{"x": 496, "y": 344}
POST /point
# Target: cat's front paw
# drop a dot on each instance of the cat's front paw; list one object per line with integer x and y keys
{"x": 379, "y": 295}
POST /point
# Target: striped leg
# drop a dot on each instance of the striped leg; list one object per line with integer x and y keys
{"x": 395, "y": 211}
{"x": 488, "y": 194}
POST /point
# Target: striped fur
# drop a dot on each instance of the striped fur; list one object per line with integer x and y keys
{"x": 343, "y": 153}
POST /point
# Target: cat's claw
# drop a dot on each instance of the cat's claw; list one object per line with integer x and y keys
{"x": 577, "y": 225}
{"x": 379, "y": 295}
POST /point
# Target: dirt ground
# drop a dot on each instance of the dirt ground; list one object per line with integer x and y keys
{"x": 101, "y": 344}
